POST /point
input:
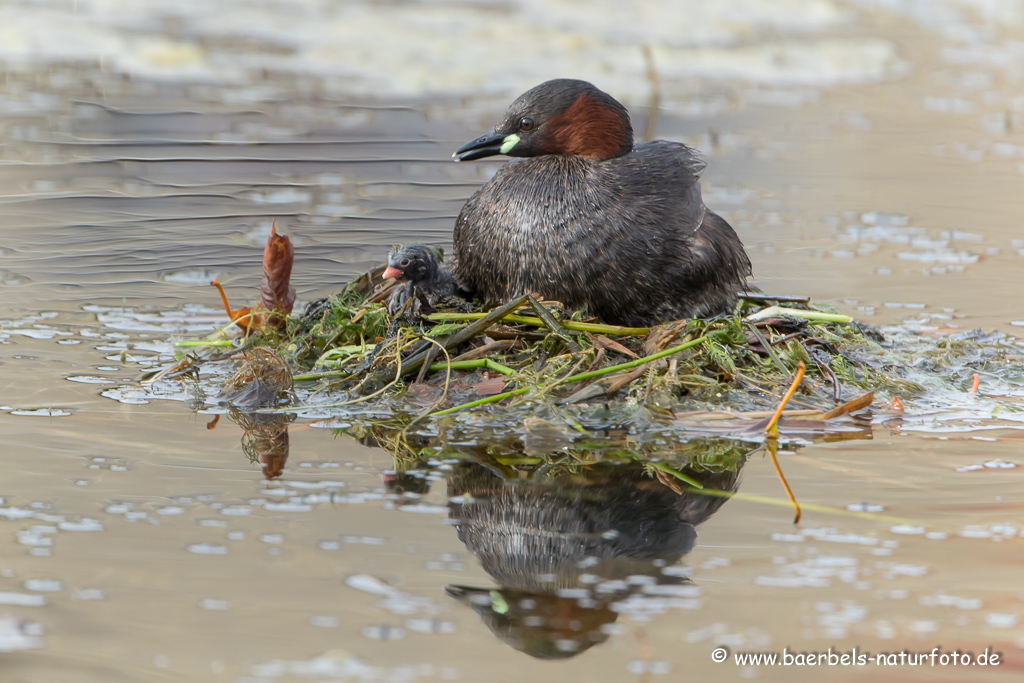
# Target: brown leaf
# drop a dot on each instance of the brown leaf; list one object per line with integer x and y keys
{"x": 618, "y": 381}
{"x": 489, "y": 387}
{"x": 486, "y": 350}
{"x": 276, "y": 292}
{"x": 662, "y": 337}
{"x": 614, "y": 346}
{"x": 850, "y": 406}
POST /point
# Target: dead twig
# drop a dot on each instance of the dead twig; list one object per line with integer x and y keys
{"x": 552, "y": 324}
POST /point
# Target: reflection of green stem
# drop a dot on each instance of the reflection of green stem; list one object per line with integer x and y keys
{"x": 212, "y": 342}
{"x": 765, "y": 500}
{"x": 581, "y": 376}
{"x": 677, "y": 474}
{"x": 537, "y": 322}
{"x": 518, "y": 460}
{"x": 476, "y": 363}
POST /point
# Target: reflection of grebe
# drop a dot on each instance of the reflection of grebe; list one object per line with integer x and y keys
{"x": 566, "y": 552}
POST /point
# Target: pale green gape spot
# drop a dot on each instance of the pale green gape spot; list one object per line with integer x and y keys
{"x": 509, "y": 142}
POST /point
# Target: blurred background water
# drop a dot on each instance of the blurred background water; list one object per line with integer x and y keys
{"x": 868, "y": 152}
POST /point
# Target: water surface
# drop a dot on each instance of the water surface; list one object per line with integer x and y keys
{"x": 878, "y": 168}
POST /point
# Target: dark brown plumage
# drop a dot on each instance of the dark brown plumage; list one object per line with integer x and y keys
{"x": 589, "y": 219}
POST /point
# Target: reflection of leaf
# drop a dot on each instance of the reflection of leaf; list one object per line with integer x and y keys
{"x": 276, "y": 292}
{"x": 265, "y": 439}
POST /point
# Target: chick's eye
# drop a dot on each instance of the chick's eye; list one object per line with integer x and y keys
{"x": 526, "y": 124}
{"x": 404, "y": 263}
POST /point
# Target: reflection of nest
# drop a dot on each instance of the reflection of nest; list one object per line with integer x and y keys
{"x": 534, "y": 537}
{"x": 264, "y": 439}
{"x": 407, "y": 482}
{"x": 259, "y": 383}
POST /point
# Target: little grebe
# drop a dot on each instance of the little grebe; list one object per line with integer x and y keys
{"x": 590, "y": 219}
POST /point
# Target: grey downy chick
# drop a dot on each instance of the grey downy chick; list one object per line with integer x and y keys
{"x": 421, "y": 276}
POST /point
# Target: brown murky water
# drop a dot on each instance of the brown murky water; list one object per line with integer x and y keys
{"x": 136, "y": 544}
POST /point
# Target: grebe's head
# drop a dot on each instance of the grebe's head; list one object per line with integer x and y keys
{"x": 563, "y": 116}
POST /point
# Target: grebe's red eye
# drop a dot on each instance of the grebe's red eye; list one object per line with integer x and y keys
{"x": 526, "y": 124}
{"x": 405, "y": 262}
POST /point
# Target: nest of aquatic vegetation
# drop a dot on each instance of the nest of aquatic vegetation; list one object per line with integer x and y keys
{"x": 349, "y": 349}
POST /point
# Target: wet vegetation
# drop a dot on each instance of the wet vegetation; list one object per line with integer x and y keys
{"x": 537, "y": 359}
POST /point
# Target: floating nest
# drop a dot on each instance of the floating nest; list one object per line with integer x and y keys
{"x": 347, "y": 355}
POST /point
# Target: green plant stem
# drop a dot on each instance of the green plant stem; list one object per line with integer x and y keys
{"x": 537, "y": 322}
{"x": 636, "y": 363}
{"x": 769, "y": 349}
{"x": 476, "y": 363}
{"x": 217, "y": 342}
{"x": 816, "y": 316}
{"x": 320, "y": 375}
{"x": 331, "y": 354}
{"x": 552, "y": 324}
{"x": 581, "y": 376}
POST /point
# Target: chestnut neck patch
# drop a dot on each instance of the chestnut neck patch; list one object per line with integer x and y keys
{"x": 589, "y": 128}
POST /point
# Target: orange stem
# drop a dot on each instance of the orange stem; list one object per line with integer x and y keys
{"x": 977, "y": 381}
{"x": 772, "y": 429}
{"x": 223, "y": 297}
